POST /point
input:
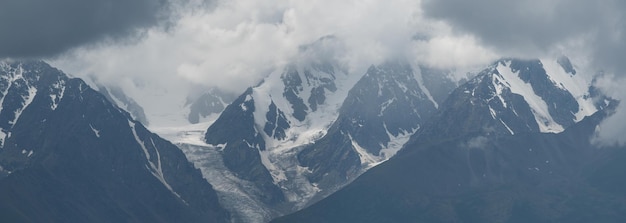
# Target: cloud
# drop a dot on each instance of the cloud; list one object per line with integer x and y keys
{"x": 528, "y": 27}
{"x": 593, "y": 31}
{"x": 234, "y": 44}
{"x": 39, "y": 28}
{"x": 611, "y": 130}
{"x": 478, "y": 142}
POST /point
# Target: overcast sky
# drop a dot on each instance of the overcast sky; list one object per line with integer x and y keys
{"x": 233, "y": 44}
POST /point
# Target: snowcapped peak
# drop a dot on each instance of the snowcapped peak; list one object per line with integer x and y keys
{"x": 305, "y": 97}
{"x": 20, "y": 83}
{"x": 556, "y": 97}
{"x": 511, "y": 78}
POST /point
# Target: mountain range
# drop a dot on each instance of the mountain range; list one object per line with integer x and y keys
{"x": 512, "y": 144}
{"x": 401, "y": 142}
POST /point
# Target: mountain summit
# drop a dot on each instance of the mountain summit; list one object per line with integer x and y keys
{"x": 68, "y": 155}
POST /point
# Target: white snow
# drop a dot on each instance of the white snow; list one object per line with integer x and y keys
{"x": 32, "y": 91}
{"x": 27, "y": 152}
{"x": 492, "y": 112}
{"x": 95, "y": 131}
{"x": 3, "y": 137}
{"x": 537, "y": 105}
{"x": 278, "y": 175}
{"x": 494, "y": 116}
{"x": 240, "y": 197}
{"x": 242, "y": 105}
{"x": 117, "y": 101}
{"x": 366, "y": 158}
{"x": 316, "y": 122}
{"x": 11, "y": 77}
{"x": 187, "y": 134}
{"x": 577, "y": 85}
{"x": 57, "y": 98}
{"x": 420, "y": 83}
{"x": 385, "y": 105}
{"x": 499, "y": 89}
{"x": 155, "y": 170}
{"x": 395, "y": 144}
{"x": 507, "y": 127}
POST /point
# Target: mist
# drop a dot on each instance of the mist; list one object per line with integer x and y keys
{"x": 232, "y": 45}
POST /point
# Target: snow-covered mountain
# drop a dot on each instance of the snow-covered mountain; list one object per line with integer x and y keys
{"x": 67, "y": 154}
{"x": 310, "y": 128}
{"x": 385, "y": 107}
{"x": 514, "y": 96}
{"x": 526, "y": 177}
{"x": 207, "y": 106}
{"x": 261, "y": 130}
{"x": 513, "y": 144}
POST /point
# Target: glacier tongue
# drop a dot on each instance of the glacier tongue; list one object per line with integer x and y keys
{"x": 240, "y": 197}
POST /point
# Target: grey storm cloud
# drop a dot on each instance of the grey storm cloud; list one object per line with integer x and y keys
{"x": 39, "y": 28}
{"x": 530, "y": 27}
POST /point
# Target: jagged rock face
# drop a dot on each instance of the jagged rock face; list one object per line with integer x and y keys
{"x": 514, "y": 96}
{"x": 117, "y": 96}
{"x": 69, "y": 155}
{"x": 299, "y": 82}
{"x": 276, "y": 112}
{"x": 236, "y": 132}
{"x": 293, "y": 87}
{"x": 386, "y": 103}
{"x": 495, "y": 152}
{"x": 561, "y": 104}
{"x": 276, "y": 124}
{"x": 310, "y": 128}
{"x": 531, "y": 177}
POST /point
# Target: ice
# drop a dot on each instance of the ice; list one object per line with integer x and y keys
{"x": 241, "y": 198}
{"x": 278, "y": 175}
{"x": 537, "y": 105}
{"x": 308, "y": 130}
